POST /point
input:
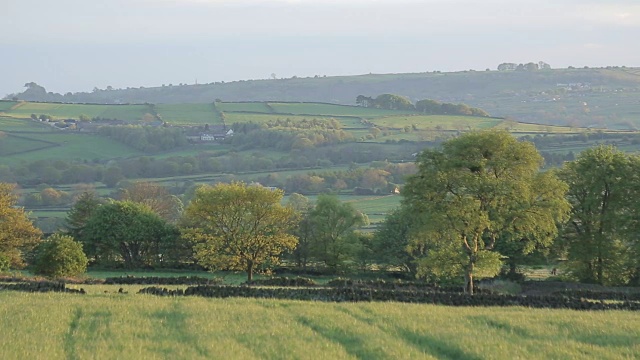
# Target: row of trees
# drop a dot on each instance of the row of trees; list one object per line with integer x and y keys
{"x": 222, "y": 161}
{"x": 477, "y": 204}
{"x": 481, "y": 201}
{"x": 426, "y": 106}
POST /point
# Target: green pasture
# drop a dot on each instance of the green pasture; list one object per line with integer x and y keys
{"x": 109, "y": 325}
{"x": 188, "y": 114}
{"x": 333, "y": 110}
{"x": 437, "y": 122}
{"x": 21, "y": 125}
{"x": 244, "y": 107}
{"x": 12, "y": 145}
{"x": 129, "y": 113}
{"x": 73, "y": 146}
{"x": 73, "y": 111}
{"x": 265, "y": 118}
{"x": 7, "y": 105}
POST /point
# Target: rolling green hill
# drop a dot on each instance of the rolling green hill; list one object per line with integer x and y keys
{"x": 586, "y": 96}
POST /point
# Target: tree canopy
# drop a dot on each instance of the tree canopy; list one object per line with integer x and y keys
{"x": 17, "y": 233}
{"x": 236, "y": 226}
{"x": 601, "y": 236}
{"x": 333, "y": 223}
{"x": 60, "y": 256}
{"x": 129, "y": 232}
{"x": 479, "y": 189}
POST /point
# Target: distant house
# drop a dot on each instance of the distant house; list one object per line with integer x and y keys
{"x": 208, "y": 134}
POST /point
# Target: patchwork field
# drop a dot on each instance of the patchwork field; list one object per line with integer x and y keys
{"x": 112, "y": 325}
{"x": 73, "y": 111}
{"x": 188, "y": 114}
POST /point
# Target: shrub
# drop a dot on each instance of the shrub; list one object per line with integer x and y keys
{"x": 5, "y": 263}
{"x": 60, "y": 256}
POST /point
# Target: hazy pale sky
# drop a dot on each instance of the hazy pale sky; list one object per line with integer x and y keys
{"x": 75, "y": 45}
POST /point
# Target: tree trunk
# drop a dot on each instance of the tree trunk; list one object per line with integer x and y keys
{"x": 468, "y": 278}
{"x": 249, "y": 271}
{"x": 600, "y": 276}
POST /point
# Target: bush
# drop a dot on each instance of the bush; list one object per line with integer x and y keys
{"x": 60, "y": 256}
{"x": 5, "y": 263}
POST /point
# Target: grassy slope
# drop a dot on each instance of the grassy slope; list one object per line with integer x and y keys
{"x": 188, "y": 114}
{"x": 528, "y": 96}
{"x": 73, "y": 111}
{"x": 60, "y": 326}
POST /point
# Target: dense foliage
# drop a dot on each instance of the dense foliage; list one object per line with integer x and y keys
{"x": 60, "y": 256}
{"x": 235, "y": 226}
{"x": 601, "y": 236}
{"x": 131, "y": 233}
{"x": 481, "y": 189}
{"x": 17, "y": 234}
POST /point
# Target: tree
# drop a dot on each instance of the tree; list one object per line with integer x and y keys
{"x": 603, "y": 190}
{"x": 17, "y": 233}
{"x": 156, "y": 197}
{"x": 60, "y": 256}
{"x": 393, "y": 102}
{"x": 235, "y": 226}
{"x": 392, "y": 239}
{"x": 80, "y": 212}
{"x": 129, "y": 232}
{"x": 112, "y": 176}
{"x": 333, "y": 224}
{"x": 479, "y": 189}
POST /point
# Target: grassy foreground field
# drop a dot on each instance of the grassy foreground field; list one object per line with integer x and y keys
{"x": 115, "y": 326}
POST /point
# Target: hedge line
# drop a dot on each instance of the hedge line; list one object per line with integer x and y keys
{"x": 178, "y": 280}
{"x": 599, "y": 295}
{"x": 41, "y": 286}
{"x": 355, "y": 294}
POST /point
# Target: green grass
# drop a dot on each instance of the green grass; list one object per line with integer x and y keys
{"x": 20, "y": 125}
{"x": 12, "y": 145}
{"x": 125, "y": 112}
{"x": 6, "y": 105}
{"x": 74, "y": 147}
{"x": 73, "y": 111}
{"x": 437, "y": 122}
{"x": 248, "y": 106}
{"x": 188, "y": 114}
{"x": 265, "y": 118}
{"x": 111, "y": 325}
{"x": 333, "y": 110}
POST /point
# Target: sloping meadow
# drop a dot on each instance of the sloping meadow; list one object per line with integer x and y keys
{"x": 114, "y": 325}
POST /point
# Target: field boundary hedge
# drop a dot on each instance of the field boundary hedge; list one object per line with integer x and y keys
{"x": 354, "y": 294}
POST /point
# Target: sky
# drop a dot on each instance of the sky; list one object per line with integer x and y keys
{"x": 76, "y": 45}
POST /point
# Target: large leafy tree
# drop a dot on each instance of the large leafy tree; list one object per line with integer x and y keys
{"x": 477, "y": 190}
{"x": 17, "y": 233}
{"x": 604, "y": 185}
{"x": 235, "y": 226}
{"x": 129, "y": 232}
{"x": 333, "y": 223}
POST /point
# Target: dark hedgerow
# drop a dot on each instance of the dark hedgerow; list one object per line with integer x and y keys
{"x": 153, "y": 280}
{"x": 283, "y": 281}
{"x": 355, "y": 294}
{"x": 41, "y": 286}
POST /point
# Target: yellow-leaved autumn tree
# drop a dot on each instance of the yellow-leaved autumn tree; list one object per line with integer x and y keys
{"x": 236, "y": 226}
{"x": 17, "y": 233}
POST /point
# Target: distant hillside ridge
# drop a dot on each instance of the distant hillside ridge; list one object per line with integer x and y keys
{"x": 500, "y": 93}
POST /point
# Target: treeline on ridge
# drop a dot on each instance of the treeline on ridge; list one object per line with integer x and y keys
{"x": 426, "y": 106}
